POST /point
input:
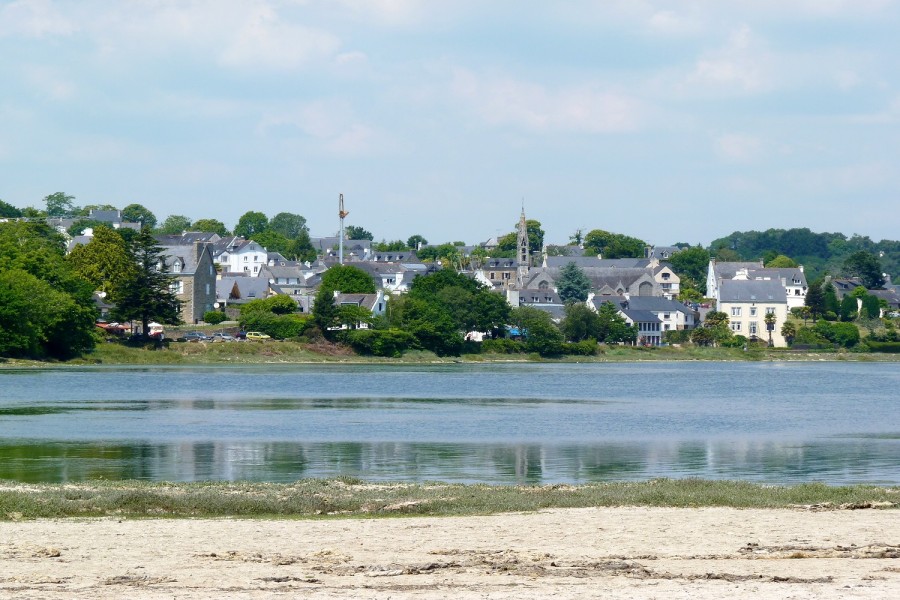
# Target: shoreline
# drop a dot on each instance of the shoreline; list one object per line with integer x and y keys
{"x": 635, "y": 552}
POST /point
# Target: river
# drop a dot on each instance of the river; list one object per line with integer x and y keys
{"x": 835, "y": 422}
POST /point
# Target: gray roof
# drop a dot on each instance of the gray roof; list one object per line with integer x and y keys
{"x": 105, "y": 216}
{"x": 727, "y": 270}
{"x": 752, "y": 291}
{"x": 556, "y": 311}
{"x": 187, "y": 238}
{"x": 657, "y": 304}
{"x": 189, "y": 255}
{"x": 642, "y": 316}
{"x": 598, "y": 263}
{"x": 246, "y": 288}
{"x": 662, "y": 252}
{"x": 526, "y": 296}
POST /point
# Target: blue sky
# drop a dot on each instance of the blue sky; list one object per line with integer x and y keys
{"x": 668, "y": 121}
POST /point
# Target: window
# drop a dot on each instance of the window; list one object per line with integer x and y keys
{"x": 245, "y": 259}
{"x": 735, "y": 326}
{"x": 770, "y": 310}
{"x": 506, "y": 276}
{"x": 667, "y": 316}
{"x": 753, "y": 328}
{"x": 735, "y": 311}
{"x": 752, "y": 311}
{"x": 207, "y": 289}
{"x": 492, "y": 274}
{"x": 177, "y": 287}
{"x": 665, "y": 276}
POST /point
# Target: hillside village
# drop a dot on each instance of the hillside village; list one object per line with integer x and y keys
{"x": 216, "y": 273}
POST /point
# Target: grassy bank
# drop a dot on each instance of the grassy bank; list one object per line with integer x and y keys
{"x": 287, "y": 352}
{"x": 353, "y": 498}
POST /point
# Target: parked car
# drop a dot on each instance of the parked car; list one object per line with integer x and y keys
{"x": 222, "y": 337}
{"x": 256, "y": 335}
{"x": 195, "y": 336}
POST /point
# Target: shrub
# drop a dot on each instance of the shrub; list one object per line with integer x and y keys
{"x": 677, "y": 336}
{"x": 278, "y": 326}
{"x": 892, "y": 347}
{"x": 583, "y": 348}
{"x": 279, "y": 305}
{"x": 214, "y": 317}
{"x": 502, "y": 346}
{"x": 737, "y": 341}
{"x": 379, "y": 342}
{"x": 843, "y": 334}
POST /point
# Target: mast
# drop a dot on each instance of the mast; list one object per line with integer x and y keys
{"x": 341, "y": 214}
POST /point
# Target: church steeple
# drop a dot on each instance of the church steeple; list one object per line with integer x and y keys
{"x": 522, "y": 245}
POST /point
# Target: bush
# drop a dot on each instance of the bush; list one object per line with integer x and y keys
{"x": 279, "y": 305}
{"x": 892, "y": 347}
{"x": 737, "y": 341}
{"x": 583, "y": 348}
{"x": 214, "y": 317}
{"x": 679, "y": 336}
{"x": 842, "y": 334}
{"x": 278, "y": 326}
{"x": 379, "y": 342}
{"x": 502, "y": 346}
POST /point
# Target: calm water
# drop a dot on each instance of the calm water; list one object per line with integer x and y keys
{"x": 771, "y": 422}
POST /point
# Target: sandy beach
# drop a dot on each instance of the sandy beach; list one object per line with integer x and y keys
{"x": 570, "y": 553}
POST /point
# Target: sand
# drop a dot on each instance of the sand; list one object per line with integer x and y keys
{"x": 571, "y": 553}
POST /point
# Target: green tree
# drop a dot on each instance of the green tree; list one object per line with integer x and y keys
{"x": 210, "y": 226}
{"x": 613, "y": 245}
{"x": 509, "y": 242}
{"x": 572, "y": 284}
{"x": 175, "y": 225}
{"x": 393, "y": 246}
{"x": 250, "y": 224}
{"x": 355, "y": 232}
{"x": 866, "y": 266}
{"x": 105, "y": 261}
{"x": 9, "y": 211}
{"x": 717, "y": 324}
{"x": 137, "y": 213}
{"x": 348, "y": 279}
{"x": 576, "y": 238}
{"x": 781, "y": 262}
{"x": 541, "y": 334}
{"x": 324, "y": 310}
{"x": 789, "y": 332}
{"x": 580, "y": 323}
{"x": 415, "y": 241}
{"x": 830, "y": 301}
{"x": 848, "y": 309}
{"x": 147, "y": 295}
{"x": 59, "y": 204}
{"x": 815, "y": 298}
{"x": 290, "y": 225}
{"x": 612, "y": 327}
{"x": 769, "y": 320}
{"x": 691, "y": 265}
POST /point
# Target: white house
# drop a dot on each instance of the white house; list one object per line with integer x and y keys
{"x": 747, "y": 302}
{"x": 238, "y": 255}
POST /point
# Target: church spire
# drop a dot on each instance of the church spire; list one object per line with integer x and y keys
{"x": 522, "y": 247}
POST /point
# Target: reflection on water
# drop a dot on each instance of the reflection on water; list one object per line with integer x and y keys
{"x": 836, "y": 463}
{"x": 767, "y": 422}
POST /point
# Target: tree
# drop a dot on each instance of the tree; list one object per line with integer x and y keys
{"x": 572, "y": 284}
{"x": 137, "y": 213}
{"x": 394, "y": 246}
{"x": 104, "y": 261}
{"x": 59, "y": 204}
{"x": 46, "y": 309}
{"x": 789, "y": 332}
{"x": 210, "y": 226}
{"x": 613, "y": 245}
{"x": 781, "y": 262}
{"x": 8, "y": 210}
{"x": 717, "y": 324}
{"x": 580, "y": 323}
{"x": 612, "y": 328}
{"x": 541, "y": 334}
{"x": 355, "y": 232}
{"x": 866, "y": 266}
{"x": 848, "y": 309}
{"x": 576, "y": 238}
{"x": 769, "y": 320}
{"x": 509, "y": 242}
{"x": 691, "y": 265}
{"x": 175, "y": 225}
{"x": 324, "y": 310}
{"x": 416, "y": 241}
{"x": 288, "y": 224}
{"x": 347, "y": 279}
{"x": 250, "y": 224}
{"x": 815, "y": 298}
{"x": 147, "y": 295}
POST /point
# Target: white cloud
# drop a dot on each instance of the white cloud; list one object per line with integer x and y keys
{"x": 671, "y": 23}
{"x": 738, "y": 147}
{"x": 266, "y": 41}
{"x": 743, "y": 65}
{"x": 331, "y": 124}
{"x": 578, "y": 108}
{"x": 49, "y": 82}
{"x": 33, "y": 18}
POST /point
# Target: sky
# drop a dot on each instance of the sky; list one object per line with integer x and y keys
{"x": 670, "y": 121}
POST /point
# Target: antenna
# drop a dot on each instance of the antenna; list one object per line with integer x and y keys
{"x": 341, "y": 214}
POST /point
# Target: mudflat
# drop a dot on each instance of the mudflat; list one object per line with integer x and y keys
{"x": 561, "y": 553}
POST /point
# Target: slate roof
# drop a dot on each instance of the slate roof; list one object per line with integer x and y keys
{"x": 656, "y": 304}
{"x": 752, "y": 291}
{"x": 559, "y": 262}
{"x": 248, "y": 288}
{"x": 640, "y": 316}
{"x": 189, "y": 256}
{"x": 187, "y": 238}
{"x": 727, "y": 270}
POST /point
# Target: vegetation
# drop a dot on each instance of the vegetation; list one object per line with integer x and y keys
{"x": 613, "y": 245}
{"x": 572, "y": 285}
{"x": 349, "y": 497}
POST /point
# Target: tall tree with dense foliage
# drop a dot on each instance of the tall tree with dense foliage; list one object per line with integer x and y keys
{"x": 251, "y": 223}
{"x": 289, "y": 225}
{"x": 507, "y": 244}
{"x": 46, "y": 309}
{"x": 572, "y": 285}
{"x": 8, "y": 210}
{"x": 60, "y": 204}
{"x": 865, "y": 266}
{"x": 691, "y": 265}
{"x": 210, "y": 226}
{"x": 105, "y": 261}
{"x": 137, "y": 213}
{"x": 148, "y": 295}
{"x": 348, "y": 279}
{"x": 580, "y": 323}
{"x": 175, "y": 225}
{"x": 540, "y": 332}
{"x": 613, "y": 245}
{"x": 815, "y": 298}
{"x": 415, "y": 241}
{"x": 355, "y": 232}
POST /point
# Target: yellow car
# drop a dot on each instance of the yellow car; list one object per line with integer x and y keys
{"x": 256, "y": 335}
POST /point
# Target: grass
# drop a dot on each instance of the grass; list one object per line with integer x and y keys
{"x": 350, "y": 497}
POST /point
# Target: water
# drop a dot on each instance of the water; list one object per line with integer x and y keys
{"x": 533, "y": 423}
